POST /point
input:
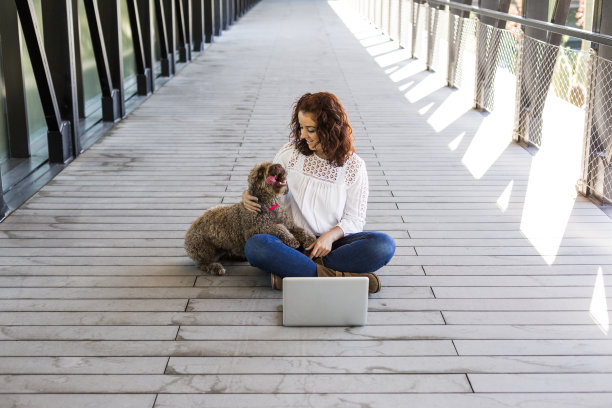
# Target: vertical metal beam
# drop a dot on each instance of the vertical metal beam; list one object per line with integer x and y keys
{"x": 188, "y": 12}
{"x": 416, "y": 9}
{"x": 16, "y": 107}
{"x": 602, "y": 23}
{"x": 143, "y": 73}
{"x": 146, "y": 17}
{"x": 198, "y": 25}
{"x": 225, "y": 14}
{"x": 59, "y": 133}
{"x": 560, "y": 13}
{"x": 230, "y": 12}
{"x": 538, "y": 10}
{"x": 167, "y": 53}
{"x": 209, "y": 20}
{"x": 170, "y": 13}
{"x": 110, "y": 20}
{"x": 218, "y": 17}
{"x": 183, "y": 42}
{"x": 111, "y": 106}
{"x": 59, "y": 44}
{"x": 76, "y": 24}
{"x": 497, "y": 5}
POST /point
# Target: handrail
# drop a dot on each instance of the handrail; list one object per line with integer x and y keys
{"x": 543, "y": 25}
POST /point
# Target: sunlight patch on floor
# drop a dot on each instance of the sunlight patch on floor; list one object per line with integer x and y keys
{"x": 599, "y": 305}
{"x": 454, "y": 144}
{"x": 551, "y": 190}
{"x": 452, "y": 108}
{"x": 504, "y": 199}
{"x": 489, "y": 143}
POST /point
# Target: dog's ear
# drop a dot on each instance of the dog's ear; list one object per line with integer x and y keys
{"x": 257, "y": 173}
{"x": 261, "y": 172}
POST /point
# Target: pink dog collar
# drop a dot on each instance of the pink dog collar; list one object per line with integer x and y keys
{"x": 273, "y": 207}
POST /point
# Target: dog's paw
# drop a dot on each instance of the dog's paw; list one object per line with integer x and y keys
{"x": 214, "y": 269}
{"x": 292, "y": 242}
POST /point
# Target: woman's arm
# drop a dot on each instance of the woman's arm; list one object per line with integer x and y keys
{"x": 250, "y": 202}
{"x": 323, "y": 245}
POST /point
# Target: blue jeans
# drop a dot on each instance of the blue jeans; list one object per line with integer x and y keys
{"x": 362, "y": 252}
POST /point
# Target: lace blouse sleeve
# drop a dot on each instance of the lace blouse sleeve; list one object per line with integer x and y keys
{"x": 354, "y": 217}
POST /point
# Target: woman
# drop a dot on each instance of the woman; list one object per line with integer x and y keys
{"x": 328, "y": 194}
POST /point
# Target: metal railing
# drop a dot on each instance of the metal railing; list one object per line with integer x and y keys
{"x": 541, "y": 83}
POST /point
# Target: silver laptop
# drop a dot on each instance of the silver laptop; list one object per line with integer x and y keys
{"x": 325, "y": 301}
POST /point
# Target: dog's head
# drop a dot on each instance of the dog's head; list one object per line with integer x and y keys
{"x": 267, "y": 180}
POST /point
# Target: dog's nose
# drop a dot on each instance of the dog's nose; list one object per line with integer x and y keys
{"x": 278, "y": 168}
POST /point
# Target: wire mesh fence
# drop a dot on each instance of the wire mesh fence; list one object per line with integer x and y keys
{"x": 548, "y": 88}
{"x": 405, "y": 17}
{"x": 598, "y": 141}
{"x": 497, "y": 57}
{"x": 385, "y": 16}
{"x": 419, "y": 21}
{"x": 462, "y": 62}
{"x": 439, "y": 40}
{"x": 394, "y": 19}
{"x": 553, "y": 87}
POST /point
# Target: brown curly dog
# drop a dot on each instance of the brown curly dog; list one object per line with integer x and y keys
{"x": 223, "y": 230}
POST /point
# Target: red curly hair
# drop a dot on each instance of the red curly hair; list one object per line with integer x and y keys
{"x": 333, "y": 128}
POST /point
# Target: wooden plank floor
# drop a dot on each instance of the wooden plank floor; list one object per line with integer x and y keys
{"x": 100, "y": 307}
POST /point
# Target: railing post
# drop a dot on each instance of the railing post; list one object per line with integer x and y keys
{"x": 167, "y": 54}
{"x": 60, "y": 49}
{"x": 209, "y": 21}
{"x": 415, "y": 26}
{"x": 218, "y": 17}
{"x": 478, "y": 103}
{"x": 517, "y": 133}
{"x": 110, "y": 25}
{"x": 400, "y": 12}
{"x": 432, "y": 29}
{"x": 451, "y": 68}
{"x": 588, "y": 168}
{"x": 198, "y": 25}
{"x": 59, "y": 132}
{"x": 111, "y": 97}
{"x": 389, "y": 33}
{"x": 184, "y": 47}
{"x": 147, "y": 18}
{"x": 143, "y": 74}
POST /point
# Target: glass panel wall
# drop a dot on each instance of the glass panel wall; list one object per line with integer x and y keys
{"x": 129, "y": 59}
{"x": 156, "y": 47}
{"x": 4, "y": 153}
{"x": 92, "y": 93}
{"x": 36, "y": 116}
{"x": 15, "y": 169}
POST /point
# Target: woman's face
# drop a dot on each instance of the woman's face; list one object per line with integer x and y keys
{"x": 308, "y": 131}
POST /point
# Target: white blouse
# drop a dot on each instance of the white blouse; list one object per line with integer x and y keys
{"x": 322, "y": 196}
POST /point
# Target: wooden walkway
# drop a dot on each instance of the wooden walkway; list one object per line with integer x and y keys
{"x": 100, "y": 307}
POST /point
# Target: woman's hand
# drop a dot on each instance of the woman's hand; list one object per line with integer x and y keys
{"x": 323, "y": 245}
{"x": 250, "y": 202}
